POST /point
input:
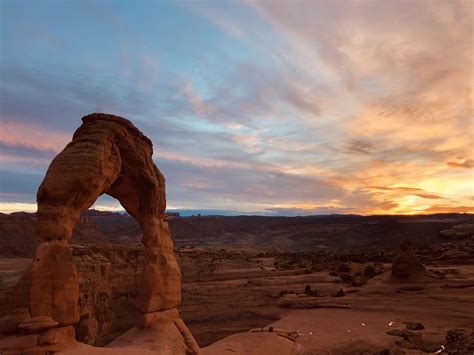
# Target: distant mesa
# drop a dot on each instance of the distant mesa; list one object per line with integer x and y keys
{"x": 107, "y": 154}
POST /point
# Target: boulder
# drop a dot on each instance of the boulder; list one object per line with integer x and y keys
{"x": 57, "y": 336}
{"x": 88, "y": 330}
{"x": 37, "y": 324}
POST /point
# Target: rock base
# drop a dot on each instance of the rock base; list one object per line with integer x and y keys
{"x": 51, "y": 340}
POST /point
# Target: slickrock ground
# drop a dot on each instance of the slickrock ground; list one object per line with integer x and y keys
{"x": 365, "y": 317}
{"x": 231, "y": 291}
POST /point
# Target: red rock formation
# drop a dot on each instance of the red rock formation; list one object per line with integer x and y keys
{"x": 107, "y": 154}
{"x": 406, "y": 266}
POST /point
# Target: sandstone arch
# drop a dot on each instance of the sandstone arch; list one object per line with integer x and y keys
{"x": 107, "y": 155}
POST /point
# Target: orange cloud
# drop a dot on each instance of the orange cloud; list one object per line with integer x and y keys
{"x": 404, "y": 107}
{"x": 449, "y": 209}
{"x": 467, "y": 164}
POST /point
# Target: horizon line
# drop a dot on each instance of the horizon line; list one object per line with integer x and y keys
{"x": 236, "y": 213}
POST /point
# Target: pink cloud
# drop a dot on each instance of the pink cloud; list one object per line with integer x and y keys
{"x": 33, "y": 135}
{"x": 198, "y": 104}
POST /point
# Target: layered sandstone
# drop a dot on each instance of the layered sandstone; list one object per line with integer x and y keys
{"x": 107, "y": 154}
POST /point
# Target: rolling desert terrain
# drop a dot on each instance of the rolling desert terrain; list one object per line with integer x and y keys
{"x": 322, "y": 284}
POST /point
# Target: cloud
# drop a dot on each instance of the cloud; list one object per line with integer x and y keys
{"x": 397, "y": 76}
{"x": 253, "y": 189}
{"x": 430, "y": 196}
{"x": 198, "y": 104}
{"x": 221, "y": 19}
{"x": 20, "y": 185}
{"x": 32, "y": 135}
{"x": 361, "y": 147}
{"x": 397, "y": 188}
{"x": 449, "y": 209}
{"x": 404, "y": 190}
{"x": 466, "y": 164}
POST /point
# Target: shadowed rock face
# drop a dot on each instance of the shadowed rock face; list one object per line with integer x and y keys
{"x": 107, "y": 154}
{"x": 405, "y": 266}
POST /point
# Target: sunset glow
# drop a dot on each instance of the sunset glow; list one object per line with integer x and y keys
{"x": 254, "y": 106}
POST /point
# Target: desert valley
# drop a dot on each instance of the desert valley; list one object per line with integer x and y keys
{"x": 323, "y": 282}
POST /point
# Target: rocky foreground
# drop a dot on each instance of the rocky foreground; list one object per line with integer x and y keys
{"x": 321, "y": 300}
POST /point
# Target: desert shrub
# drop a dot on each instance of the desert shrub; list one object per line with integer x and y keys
{"x": 370, "y": 271}
{"x": 308, "y": 291}
{"x": 343, "y": 267}
{"x": 358, "y": 280}
{"x": 347, "y": 278}
{"x": 282, "y": 265}
{"x": 379, "y": 268}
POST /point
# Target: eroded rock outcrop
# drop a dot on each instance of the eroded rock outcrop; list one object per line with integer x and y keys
{"x": 406, "y": 266}
{"x": 107, "y": 154}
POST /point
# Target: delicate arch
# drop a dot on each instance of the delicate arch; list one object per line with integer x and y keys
{"x": 107, "y": 154}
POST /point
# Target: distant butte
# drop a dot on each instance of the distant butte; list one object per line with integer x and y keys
{"x": 406, "y": 267}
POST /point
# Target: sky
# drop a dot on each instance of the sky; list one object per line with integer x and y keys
{"x": 261, "y": 106}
